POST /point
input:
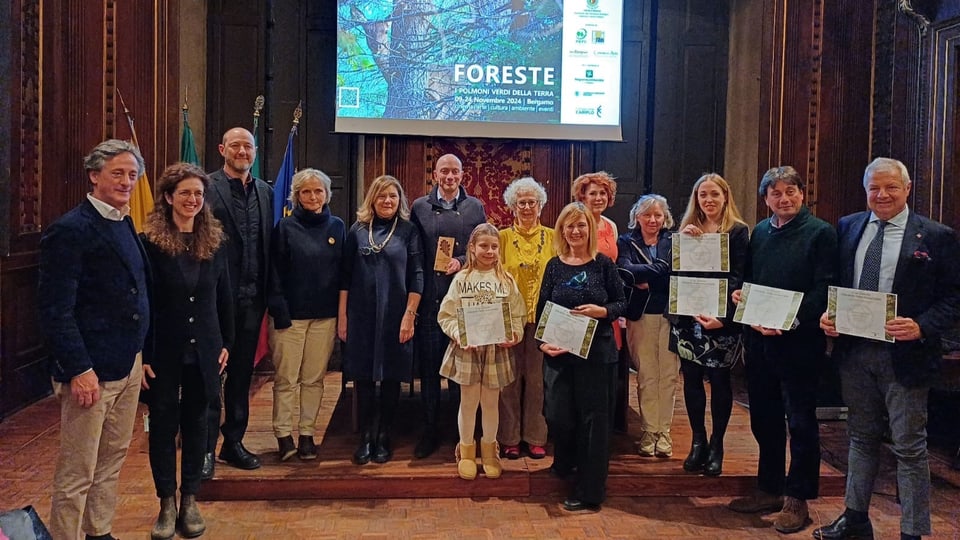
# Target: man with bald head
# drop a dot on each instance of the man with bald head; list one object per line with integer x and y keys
{"x": 244, "y": 205}
{"x": 446, "y": 216}
{"x": 891, "y": 249}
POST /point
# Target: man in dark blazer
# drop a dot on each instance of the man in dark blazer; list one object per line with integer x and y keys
{"x": 94, "y": 312}
{"x": 885, "y": 385}
{"x": 244, "y": 205}
{"x": 447, "y": 213}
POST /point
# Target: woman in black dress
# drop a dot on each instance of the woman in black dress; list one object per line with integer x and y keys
{"x": 379, "y": 294}
{"x": 187, "y": 346}
{"x": 579, "y": 391}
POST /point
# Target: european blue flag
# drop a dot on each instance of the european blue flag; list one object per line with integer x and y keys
{"x": 281, "y": 188}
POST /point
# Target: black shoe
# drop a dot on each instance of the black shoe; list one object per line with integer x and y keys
{"x": 714, "y": 464}
{"x": 844, "y": 528}
{"x": 306, "y": 449}
{"x": 383, "y": 452}
{"x": 206, "y": 471}
{"x": 427, "y": 444}
{"x": 287, "y": 449}
{"x": 576, "y": 505}
{"x": 107, "y": 536}
{"x": 237, "y": 456}
{"x": 697, "y": 457}
{"x": 364, "y": 452}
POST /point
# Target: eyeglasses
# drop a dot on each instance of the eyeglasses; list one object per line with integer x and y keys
{"x": 188, "y": 194}
{"x": 528, "y": 203}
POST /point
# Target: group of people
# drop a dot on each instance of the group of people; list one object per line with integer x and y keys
{"x": 190, "y": 292}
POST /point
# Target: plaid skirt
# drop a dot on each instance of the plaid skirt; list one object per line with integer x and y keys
{"x": 490, "y": 365}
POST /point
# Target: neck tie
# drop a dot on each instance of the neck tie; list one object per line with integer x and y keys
{"x": 870, "y": 273}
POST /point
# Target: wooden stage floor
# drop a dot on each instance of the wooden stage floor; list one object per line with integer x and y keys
{"x": 334, "y": 476}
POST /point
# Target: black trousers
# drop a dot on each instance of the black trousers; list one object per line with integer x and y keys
{"x": 431, "y": 344}
{"x": 782, "y": 376}
{"x": 577, "y": 399}
{"x": 236, "y": 388}
{"x": 177, "y": 403}
{"x": 377, "y": 414}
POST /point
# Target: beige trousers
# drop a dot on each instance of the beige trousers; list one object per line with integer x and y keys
{"x": 521, "y": 402}
{"x": 300, "y": 356}
{"x": 93, "y": 445}
{"x": 657, "y": 369}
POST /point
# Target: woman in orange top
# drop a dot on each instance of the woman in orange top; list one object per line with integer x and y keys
{"x": 597, "y": 191}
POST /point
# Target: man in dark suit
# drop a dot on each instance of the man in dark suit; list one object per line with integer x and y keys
{"x": 94, "y": 308}
{"x": 885, "y": 385}
{"x": 244, "y": 205}
{"x": 446, "y": 215}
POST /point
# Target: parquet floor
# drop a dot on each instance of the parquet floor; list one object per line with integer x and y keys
{"x": 28, "y": 442}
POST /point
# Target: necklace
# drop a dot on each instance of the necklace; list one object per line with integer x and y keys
{"x": 377, "y": 248}
{"x": 529, "y": 254}
{"x": 527, "y": 249}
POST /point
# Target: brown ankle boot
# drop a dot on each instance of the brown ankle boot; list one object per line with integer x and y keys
{"x": 794, "y": 516}
{"x": 190, "y": 523}
{"x": 165, "y": 527}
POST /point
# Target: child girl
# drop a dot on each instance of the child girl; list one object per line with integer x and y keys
{"x": 480, "y": 371}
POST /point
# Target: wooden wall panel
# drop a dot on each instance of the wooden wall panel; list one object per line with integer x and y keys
{"x": 67, "y": 60}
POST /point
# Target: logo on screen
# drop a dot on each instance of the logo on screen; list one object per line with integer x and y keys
{"x": 598, "y": 36}
{"x": 582, "y": 35}
{"x": 589, "y": 74}
{"x": 593, "y": 3}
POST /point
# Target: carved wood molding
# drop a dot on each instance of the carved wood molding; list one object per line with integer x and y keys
{"x": 906, "y": 7}
{"x": 29, "y": 120}
{"x": 109, "y": 68}
{"x": 816, "y": 57}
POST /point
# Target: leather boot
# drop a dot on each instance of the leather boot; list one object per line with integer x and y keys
{"x": 365, "y": 451}
{"x": 207, "y": 470}
{"x": 697, "y": 457}
{"x": 714, "y": 465}
{"x": 166, "y": 524}
{"x": 490, "y": 458}
{"x": 190, "y": 523}
{"x": 466, "y": 455}
{"x": 383, "y": 452}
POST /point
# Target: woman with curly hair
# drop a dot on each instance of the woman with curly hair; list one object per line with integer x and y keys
{"x": 188, "y": 342}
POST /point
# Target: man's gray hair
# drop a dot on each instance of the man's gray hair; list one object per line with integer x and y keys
{"x": 108, "y": 150}
{"x": 301, "y": 178}
{"x": 887, "y": 165}
{"x": 526, "y": 183}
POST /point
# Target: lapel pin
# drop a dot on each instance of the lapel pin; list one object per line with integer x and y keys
{"x": 331, "y": 240}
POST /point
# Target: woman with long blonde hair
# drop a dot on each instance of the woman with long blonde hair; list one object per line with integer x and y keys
{"x": 709, "y": 346}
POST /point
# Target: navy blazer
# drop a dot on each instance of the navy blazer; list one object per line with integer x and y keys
{"x": 88, "y": 298}
{"x": 184, "y": 316}
{"x": 645, "y": 269}
{"x": 927, "y": 285}
{"x": 221, "y": 203}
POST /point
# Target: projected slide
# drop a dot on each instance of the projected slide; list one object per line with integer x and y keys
{"x": 501, "y": 68}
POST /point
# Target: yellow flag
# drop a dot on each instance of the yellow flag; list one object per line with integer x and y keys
{"x": 141, "y": 203}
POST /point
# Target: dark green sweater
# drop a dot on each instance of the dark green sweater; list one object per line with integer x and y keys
{"x": 800, "y": 256}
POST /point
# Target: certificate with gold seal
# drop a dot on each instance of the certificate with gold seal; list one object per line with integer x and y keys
{"x": 861, "y": 313}
{"x": 704, "y": 253}
{"x": 484, "y": 324}
{"x": 559, "y": 327}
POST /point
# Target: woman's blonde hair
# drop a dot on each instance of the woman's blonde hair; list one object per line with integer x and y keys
{"x": 160, "y": 228}
{"x": 600, "y": 178}
{"x": 299, "y": 179}
{"x": 570, "y": 213}
{"x": 366, "y": 212}
{"x": 730, "y": 216}
{"x": 485, "y": 229}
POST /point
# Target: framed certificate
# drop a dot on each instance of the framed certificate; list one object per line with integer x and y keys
{"x": 698, "y": 296}
{"x": 768, "y": 307}
{"x": 705, "y": 253}
{"x": 559, "y": 327}
{"x": 861, "y": 313}
{"x": 484, "y": 324}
